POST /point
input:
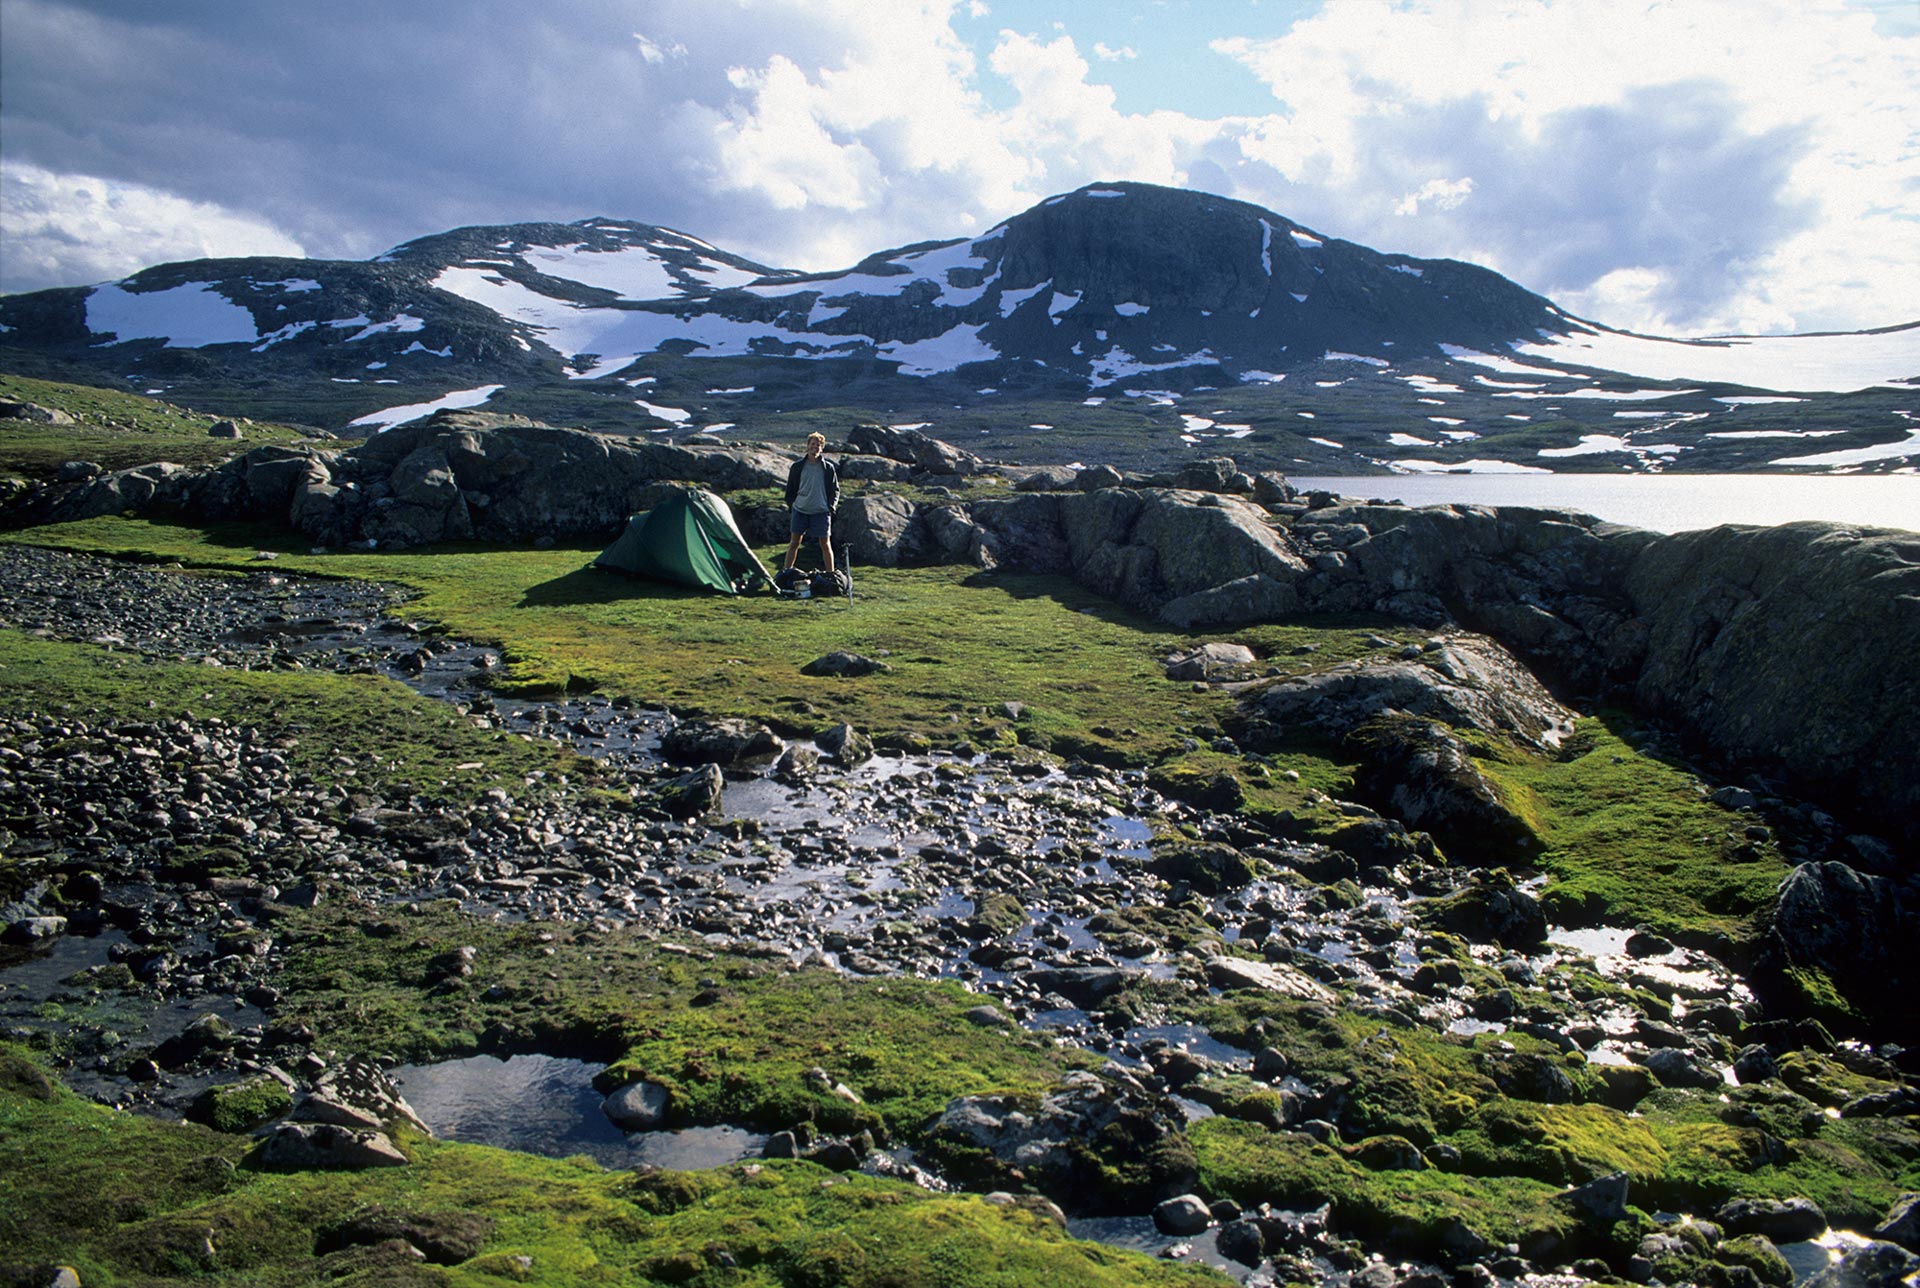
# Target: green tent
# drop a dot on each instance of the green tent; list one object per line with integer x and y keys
{"x": 688, "y": 538}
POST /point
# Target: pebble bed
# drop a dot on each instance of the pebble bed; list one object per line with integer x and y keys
{"x": 875, "y": 869}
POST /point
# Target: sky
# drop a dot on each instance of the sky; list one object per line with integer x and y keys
{"x": 1678, "y": 167}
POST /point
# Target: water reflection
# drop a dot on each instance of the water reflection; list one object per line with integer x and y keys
{"x": 543, "y": 1104}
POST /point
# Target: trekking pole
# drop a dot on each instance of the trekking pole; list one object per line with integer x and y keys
{"x": 846, "y": 560}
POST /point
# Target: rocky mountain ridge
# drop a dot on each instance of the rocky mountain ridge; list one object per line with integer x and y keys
{"x": 1318, "y": 354}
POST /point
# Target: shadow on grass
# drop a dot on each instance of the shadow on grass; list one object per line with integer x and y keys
{"x": 590, "y": 584}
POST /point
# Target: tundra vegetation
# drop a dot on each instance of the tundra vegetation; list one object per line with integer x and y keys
{"x": 1446, "y": 1144}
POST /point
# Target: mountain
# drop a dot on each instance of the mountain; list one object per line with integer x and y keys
{"x": 1086, "y": 325}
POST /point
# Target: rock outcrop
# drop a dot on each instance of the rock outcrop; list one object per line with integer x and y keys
{"x": 1775, "y": 647}
{"x": 455, "y": 476}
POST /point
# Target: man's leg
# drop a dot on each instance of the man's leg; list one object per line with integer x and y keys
{"x": 826, "y": 553}
{"x": 793, "y": 549}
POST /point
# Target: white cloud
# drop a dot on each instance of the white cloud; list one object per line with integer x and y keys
{"x": 1808, "y": 111}
{"x": 1713, "y": 165}
{"x": 66, "y": 229}
{"x": 656, "y": 53}
{"x": 1442, "y": 194}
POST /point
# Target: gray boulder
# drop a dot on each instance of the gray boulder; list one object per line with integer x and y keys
{"x": 1871, "y": 1265}
{"x": 1902, "y": 1225}
{"x": 909, "y": 446}
{"x": 638, "y": 1106}
{"x": 691, "y": 795}
{"x": 1852, "y": 925}
{"x": 731, "y": 744}
{"x": 1781, "y": 1220}
{"x": 324, "y": 1147}
{"x": 1182, "y": 1215}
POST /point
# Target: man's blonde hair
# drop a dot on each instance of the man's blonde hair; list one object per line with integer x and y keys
{"x": 816, "y": 437}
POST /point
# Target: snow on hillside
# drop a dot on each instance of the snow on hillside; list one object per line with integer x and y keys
{"x": 185, "y": 316}
{"x": 630, "y": 272}
{"x": 379, "y": 420}
{"x": 1800, "y": 363}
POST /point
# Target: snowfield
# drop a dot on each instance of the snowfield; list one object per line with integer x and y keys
{"x": 185, "y": 316}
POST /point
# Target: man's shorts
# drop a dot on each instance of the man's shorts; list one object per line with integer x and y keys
{"x": 817, "y": 526}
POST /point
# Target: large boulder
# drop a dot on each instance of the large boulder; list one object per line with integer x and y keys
{"x": 1096, "y": 1143}
{"x": 1469, "y": 682}
{"x": 911, "y": 447}
{"x": 1854, "y": 926}
{"x": 1781, "y": 647}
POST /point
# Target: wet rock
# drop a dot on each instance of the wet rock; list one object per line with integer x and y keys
{"x": 835, "y": 1154}
{"x": 1781, "y": 1220}
{"x": 1490, "y": 907}
{"x": 1755, "y": 1064}
{"x": 1100, "y": 1142}
{"x": 1242, "y": 1241}
{"x": 1676, "y": 1068}
{"x": 638, "y": 1106}
{"x": 1599, "y": 1202}
{"x": 1085, "y": 986}
{"x": 1207, "y": 867}
{"x": 207, "y": 1034}
{"x": 845, "y": 665}
{"x": 325, "y": 1147}
{"x": 1274, "y": 977}
{"x": 1872, "y": 1265}
{"x": 796, "y": 765}
{"x": 1902, "y": 1225}
{"x": 730, "y": 744}
{"x": 846, "y": 745}
{"x": 691, "y": 795}
{"x": 1182, "y": 1215}
{"x": 1377, "y": 1274}
{"x": 34, "y": 931}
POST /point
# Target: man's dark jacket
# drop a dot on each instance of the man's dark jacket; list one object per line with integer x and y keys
{"x": 832, "y": 481}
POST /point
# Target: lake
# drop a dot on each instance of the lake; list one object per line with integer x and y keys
{"x": 1660, "y": 502}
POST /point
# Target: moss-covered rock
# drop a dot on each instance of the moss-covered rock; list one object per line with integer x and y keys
{"x": 242, "y": 1106}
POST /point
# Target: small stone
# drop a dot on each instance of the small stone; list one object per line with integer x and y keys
{"x": 1182, "y": 1215}
{"x": 29, "y": 931}
{"x": 638, "y": 1106}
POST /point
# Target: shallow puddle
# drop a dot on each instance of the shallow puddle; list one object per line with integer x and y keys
{"x": 542, "y": 1104}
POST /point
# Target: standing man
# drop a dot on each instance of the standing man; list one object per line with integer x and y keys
{"x": 813, "y": 490}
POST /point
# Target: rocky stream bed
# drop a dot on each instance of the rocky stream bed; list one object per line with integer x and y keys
{"x": 148, "y": 954}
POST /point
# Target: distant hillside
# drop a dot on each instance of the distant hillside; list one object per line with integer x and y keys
{"x": 1120, "y": 322}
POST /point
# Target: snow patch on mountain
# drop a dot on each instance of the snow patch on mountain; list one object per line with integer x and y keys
{"x": 1797, "y": 363}
{"x": 186, "y": 316}
{"x": 379, "y": 420}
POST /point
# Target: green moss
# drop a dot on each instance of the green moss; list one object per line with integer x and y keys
{"x": 1758, "y": 1255}
{"x": 731, "y": 1038}
{"x": 1630, "y": 840}
{"x": 304, "y": 716}
{"x": 117, "y": 431}
{"x": 242, "y": 1106}
{"x": 1420, "y": 1213}
{"x": 127, "y": 1199}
